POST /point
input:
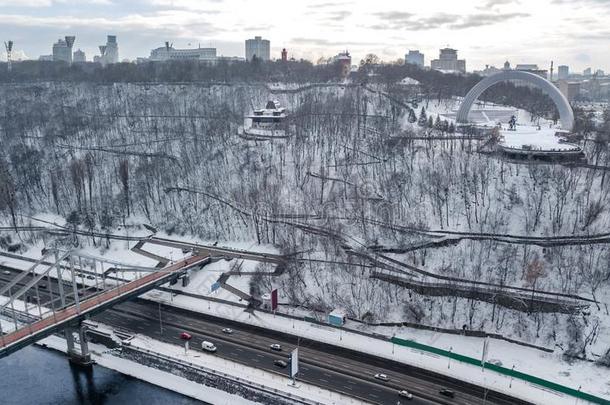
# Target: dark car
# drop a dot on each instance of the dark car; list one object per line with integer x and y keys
{"x": 447, "y": 393}
{"x": 280, "y": 363}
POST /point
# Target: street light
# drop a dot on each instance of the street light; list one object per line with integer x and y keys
{"x": 160, "y": 324}
{"x": 449, "y": 362}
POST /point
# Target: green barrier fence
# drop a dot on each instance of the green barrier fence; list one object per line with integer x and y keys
{"x": 502, "y": 370}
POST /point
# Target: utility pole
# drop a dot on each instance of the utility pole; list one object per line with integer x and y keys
{"x": 9, "y": 50}
{"x": 160, "y": 324}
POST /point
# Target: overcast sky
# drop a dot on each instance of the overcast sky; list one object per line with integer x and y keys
{"x": 572, "y": 32}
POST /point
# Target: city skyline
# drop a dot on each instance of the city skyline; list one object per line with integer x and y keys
{"x": 483, "y": 31}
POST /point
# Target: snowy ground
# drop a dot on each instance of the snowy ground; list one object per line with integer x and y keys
{"x": 537, "y": 139}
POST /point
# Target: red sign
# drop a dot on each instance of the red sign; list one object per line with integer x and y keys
{"x": 274, "y": 299}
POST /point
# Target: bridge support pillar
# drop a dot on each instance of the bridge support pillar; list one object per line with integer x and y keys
{"x": 80, "y": 357}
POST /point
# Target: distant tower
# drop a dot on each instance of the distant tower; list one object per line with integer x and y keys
{"x": 109, "y": 52}
{"x": 9, "y": 50}
{"x": 112, "y": 50}
{"x": 70, "y": 43}
{"x": 284, "y": 55}
{"x": 507, "y": 65}
{"x": 551, "y": 70}
{"x": 62, "y": 49}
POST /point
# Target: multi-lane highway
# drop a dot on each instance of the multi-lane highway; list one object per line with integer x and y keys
{"x": 323, "y": 365}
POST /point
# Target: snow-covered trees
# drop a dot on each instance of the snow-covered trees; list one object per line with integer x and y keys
{"x": 339, "y": 186}
{"x": 423, "y": 118}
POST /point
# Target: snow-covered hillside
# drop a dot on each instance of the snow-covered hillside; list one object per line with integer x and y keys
{"x": 348, "y": 190}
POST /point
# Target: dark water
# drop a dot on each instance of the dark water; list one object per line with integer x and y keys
{"x": 38, "y": 376}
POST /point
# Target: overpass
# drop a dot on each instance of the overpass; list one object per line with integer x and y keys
{"x": 87, "y": 301}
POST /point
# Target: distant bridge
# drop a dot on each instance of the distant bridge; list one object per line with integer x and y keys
{"x": 563, "y": 106}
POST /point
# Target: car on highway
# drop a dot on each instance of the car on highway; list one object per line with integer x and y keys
{"x": 6, "y": 273}
{"x": 280, "y": 363}
{"x": 382, "y": 377}
{"x": 185, "y": 336}
{"x": 90, "y": 277}
{"x": 446, "y": 392}
{"x": 228, "y": 331}
{"x": 276, "y": 347}
{"x": 208, "y": 346}
{"x": 42, "y": 285}
{"x": 405, "y": 394}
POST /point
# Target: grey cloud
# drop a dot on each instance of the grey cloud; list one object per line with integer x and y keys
{"x": 312, "y": 41}
{"x": 487, "y": 4}
{"x": 338, "y": 15}
{"x": 411, "y": 22}
{"x": 321, "y": 42}
{"x": 590, "y": 2}
{"x": 328, "y": 5}
{"x": 479, "y": 20}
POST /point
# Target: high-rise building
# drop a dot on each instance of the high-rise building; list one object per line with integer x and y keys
{"x": 570, "y": 90}
{"x": 109, "y": 53}
{"x": 62, "y": 49}
{"x": 563, "y": 72}
{"x": 284, "y": 55}
{"x": 79, "y": 56}
{"x": 587, "y": 72}
{"x": 259, "y": 47}
{"x": 448, "y": 61}
{"x": 415, "y": 58}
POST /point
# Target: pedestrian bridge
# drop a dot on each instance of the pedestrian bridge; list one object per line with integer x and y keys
{"x": 65, "y": 309}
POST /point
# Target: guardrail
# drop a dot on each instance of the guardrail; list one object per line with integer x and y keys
{"x": 502, "y": 370}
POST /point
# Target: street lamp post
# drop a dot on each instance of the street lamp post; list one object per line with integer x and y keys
{"x": 449, "y": 361}
{"x": 579, "y": 387}
{"x": 160, "y": 324}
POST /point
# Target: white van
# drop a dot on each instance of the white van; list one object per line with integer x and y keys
{"x": 208, "y": 346}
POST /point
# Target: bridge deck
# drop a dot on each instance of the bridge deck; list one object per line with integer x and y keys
{"x": 45, "y": 326}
